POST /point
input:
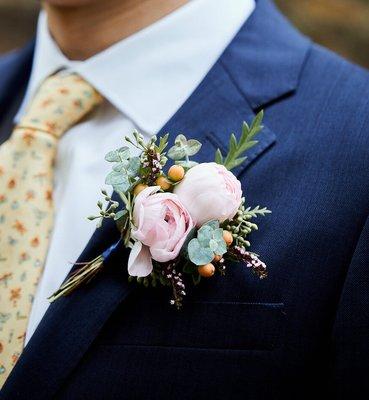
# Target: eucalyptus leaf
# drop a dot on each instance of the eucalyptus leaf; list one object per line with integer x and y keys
{"x": 120, "y": 167}
{"x": 121, "y": 219}
{"x": 183, "y": 148}
{"x": 177, "y": 153}
{"x": 208, "y": 231}
{"x": 199, "y": 255}
{"x": 218, "y": 234}
{"x": 134, "y": 166}
{"x": 112, "y": 156}
{"x": 209, "y": 242}
{"x": 222, "y": 247}
{"x": 193, "y": 147}
{"x": 180, "y": 140}
{"x": 119, "y": 181}
{"x": 189, "y": 237}
{"x": 205, "y": 234}
{"x": 118, "y": 155}
{"x": 214, "y": 224}
{"x": 213, "y": 245}
{"x": 124, "y": 153}
{"x": 120, "y": 214}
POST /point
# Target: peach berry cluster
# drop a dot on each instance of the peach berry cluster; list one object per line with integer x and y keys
{"x": 175, "y": 174}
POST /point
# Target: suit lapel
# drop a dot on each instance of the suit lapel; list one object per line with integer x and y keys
{"x": 15, "y": 69}
{"x": 215, "y": 110}
{"x": 224, "y": 99}
{"x": 261, "y": 65}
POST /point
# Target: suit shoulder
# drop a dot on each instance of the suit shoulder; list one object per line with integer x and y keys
{"x": 7, "y": 58}
{"x": 341, "y": 80}
{"x": 21, "y": 55}
{"x": 339, "y": 89}
{"x": 334, "y": 94}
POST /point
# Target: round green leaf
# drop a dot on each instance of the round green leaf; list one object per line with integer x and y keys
{"x": 199, "y": 255}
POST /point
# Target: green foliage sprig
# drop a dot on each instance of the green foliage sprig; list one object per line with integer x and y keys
{"x": 127, "y": 171}
{"x": 241, "y": 226}
{"x": 105, "y": 212}
{"x": 236, "y": 148}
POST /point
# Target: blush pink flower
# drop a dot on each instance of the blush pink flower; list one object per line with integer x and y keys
{"x": 162, "y": 224}
{"x": 209, "y": 192}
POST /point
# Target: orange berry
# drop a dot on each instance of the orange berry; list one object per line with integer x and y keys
{"x": 163, "y": 182}
{"x": 139, "y": 188}
{"x": 217, "y": 258}
{"x": 176, "y": 173}
{"x": 207, "y": 270}
{"x": 228, "y": 238}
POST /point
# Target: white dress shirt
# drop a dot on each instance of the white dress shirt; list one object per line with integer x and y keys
{"x": 144, "y": 78}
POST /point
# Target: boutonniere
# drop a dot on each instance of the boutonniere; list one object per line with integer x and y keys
{"x": 182, "y": 222}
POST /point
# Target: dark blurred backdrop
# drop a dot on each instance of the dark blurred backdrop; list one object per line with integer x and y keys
{"x": 342, "y": 25}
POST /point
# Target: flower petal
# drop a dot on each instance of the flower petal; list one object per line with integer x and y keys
{"x": 139, "y": 262}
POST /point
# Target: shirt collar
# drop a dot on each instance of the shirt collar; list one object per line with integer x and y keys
{"x": 150, "y": 74}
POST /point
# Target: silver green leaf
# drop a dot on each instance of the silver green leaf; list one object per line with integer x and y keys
{"x": 193, "y": 146}
{"x": 214, "y": 224}
{"x": 118, "y": 180}
{"x": 205, "y": 234}
{"x": 177, "y": 153}
{"x": 118, "y": 155}
{"x": 129, "y": 167}
{"x": 133, "y": 167}
{"x": 180, "y": 140}
{"x": 183, "y": 148}
{"x": 222, "y": 247}
{"x": 120, "y": 166}
{"x": 199, "y": 255}
{"x": 209, "y": 241}
{"x": 120, "y": 214}
{"x": 213, "y": 245}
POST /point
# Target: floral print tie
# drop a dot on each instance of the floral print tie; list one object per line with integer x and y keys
{"x": 26, "y": 203}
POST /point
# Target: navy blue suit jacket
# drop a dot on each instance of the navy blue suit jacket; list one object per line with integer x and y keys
{"x": 301, "y": 333}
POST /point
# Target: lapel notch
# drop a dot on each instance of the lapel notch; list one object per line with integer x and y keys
{"x": 267, "y": 56}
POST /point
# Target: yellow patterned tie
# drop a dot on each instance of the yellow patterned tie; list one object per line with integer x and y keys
{"x": 26, "y": 205}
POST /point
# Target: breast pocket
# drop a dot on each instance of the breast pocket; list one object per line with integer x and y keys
{"x": 212, "y": 325}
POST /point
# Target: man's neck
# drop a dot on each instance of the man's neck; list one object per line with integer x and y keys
{"x": 83, "y": 31}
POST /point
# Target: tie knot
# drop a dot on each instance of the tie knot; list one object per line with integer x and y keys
{"x": 59, "y": 103}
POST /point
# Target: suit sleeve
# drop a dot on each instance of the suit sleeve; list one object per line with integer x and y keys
{"x": 351, "y": 328}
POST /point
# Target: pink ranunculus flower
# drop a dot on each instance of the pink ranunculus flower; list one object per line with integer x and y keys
{"x": 162, "y": 224}
{"x": 209, "y": 192}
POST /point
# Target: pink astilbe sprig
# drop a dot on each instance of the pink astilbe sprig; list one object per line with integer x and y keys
{"x": 175, "y": 279}
{"x": 250, "y": 259}
{"x": 152, "y": 166}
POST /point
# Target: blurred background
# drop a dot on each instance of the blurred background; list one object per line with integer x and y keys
{"x": 341, "y": 25}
